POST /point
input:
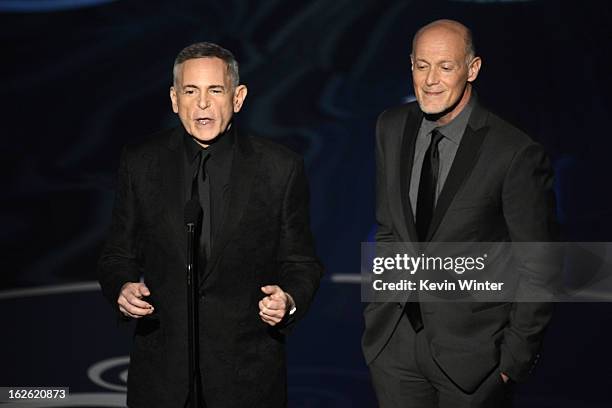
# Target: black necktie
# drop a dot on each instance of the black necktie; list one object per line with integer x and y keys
{"x": 425, "y": 207}
{"x": 428, "y": 183}
{"x": 200, "y": 188}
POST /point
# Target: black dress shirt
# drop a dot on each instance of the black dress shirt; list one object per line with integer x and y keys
{"x": 218, "y": 168}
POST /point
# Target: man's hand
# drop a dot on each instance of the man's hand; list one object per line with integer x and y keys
{"x": 130, "y": 300}
{"x": 273, "y": 307}
{"x": 505, "y": 378}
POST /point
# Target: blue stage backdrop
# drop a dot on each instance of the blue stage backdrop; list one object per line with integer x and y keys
{"x": 82, "y": 78}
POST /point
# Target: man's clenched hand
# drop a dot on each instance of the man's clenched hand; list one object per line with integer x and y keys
{"x": 273, "y": 307}
{"x": 130, "y": 300}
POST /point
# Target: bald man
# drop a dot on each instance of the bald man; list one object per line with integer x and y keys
{"x": 448, "y": 170}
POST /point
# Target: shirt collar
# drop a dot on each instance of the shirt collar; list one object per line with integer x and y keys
{"x": 218, "y": 149}
{"x": 454, "y": 129}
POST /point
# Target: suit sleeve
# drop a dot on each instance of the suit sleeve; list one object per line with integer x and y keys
{"x": 300, "y": 269}
{"x": 529, "y": 211}
{"x": 384, "y": 231}
{"x": 118, "y": 262}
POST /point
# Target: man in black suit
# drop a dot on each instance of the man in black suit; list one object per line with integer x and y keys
{"x": 448, "y": 170}
{"x": 258, "y": 269}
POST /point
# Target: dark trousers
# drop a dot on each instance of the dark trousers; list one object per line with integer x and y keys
{"x": 405, "y": 375}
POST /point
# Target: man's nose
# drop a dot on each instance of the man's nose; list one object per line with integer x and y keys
{"x": 203, "y": 102}
{"x": 432, "y": 77}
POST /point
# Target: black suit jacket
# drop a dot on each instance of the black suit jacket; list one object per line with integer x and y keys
{"x": 264, "y": 239}
{"x": 500, "y": 188}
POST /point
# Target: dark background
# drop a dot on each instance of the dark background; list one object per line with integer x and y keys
{"x": 79, "y": 79}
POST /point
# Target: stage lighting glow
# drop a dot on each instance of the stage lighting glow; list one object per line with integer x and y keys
{"x": 42, "y": 6}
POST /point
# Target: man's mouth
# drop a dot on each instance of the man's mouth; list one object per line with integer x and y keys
{"x": 204, "y": 121}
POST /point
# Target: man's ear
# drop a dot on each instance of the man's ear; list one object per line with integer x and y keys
{"x": 174, "y": 99}
{"x": 240, "y": 94}
{"x": 474, "y": 69}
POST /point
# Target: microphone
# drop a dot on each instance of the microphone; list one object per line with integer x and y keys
{"x": 193, "y": 210}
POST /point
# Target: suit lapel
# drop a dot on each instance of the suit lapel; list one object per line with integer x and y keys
{"x": 464, "y": 161}
{"x": 173, "y": 186}
{"x": 244, "y": 169}
{"x": 409, "y": 136}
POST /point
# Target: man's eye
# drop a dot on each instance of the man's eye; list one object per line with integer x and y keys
{"x": 189, "y": 92}
{"x": 447, "y": 68}
{"x": 216, "y": 91}
{"x": 421, "y": 67}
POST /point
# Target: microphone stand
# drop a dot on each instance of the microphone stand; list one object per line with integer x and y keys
{"x": 194, "y": 399}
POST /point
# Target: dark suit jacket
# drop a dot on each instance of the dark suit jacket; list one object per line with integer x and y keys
{"x": 500, "y": 188}
{"x": 264, "y": 239}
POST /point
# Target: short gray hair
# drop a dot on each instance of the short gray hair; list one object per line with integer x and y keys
{"x": 208, "y": 50}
